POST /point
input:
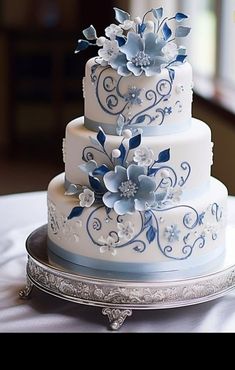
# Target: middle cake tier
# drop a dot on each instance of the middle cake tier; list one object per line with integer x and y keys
{"x": 183, "y": 159}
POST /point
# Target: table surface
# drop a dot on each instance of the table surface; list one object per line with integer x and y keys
{"x": 22, "y": 213}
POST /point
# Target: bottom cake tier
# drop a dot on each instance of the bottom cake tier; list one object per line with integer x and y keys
{"x": 186, "y": 236}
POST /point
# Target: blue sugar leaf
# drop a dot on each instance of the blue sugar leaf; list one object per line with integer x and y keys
{"x": 141, "y": 28}
{"x": 135, "y": 141}
{"x": 121, "y": 120}
{"x": 76, "y": 212}
{"x": 100, "y": 171}
{"x": 179, "y": 17}
{"x": 82, "y": 45}
{"x": 182, "y": 31}
{"x": 120, "y": 15}
{"x": 140, "y": 119}
{"x": 201, "y": 218}
{"x": 164, "y": 156}
{"x": 166, "y": 32}
{"x": 158, "y": 13}
{"x": 171, "y": 74}
{"x": 147, "y": 218}
{"x": 181, "y": 58}
{"x": 151, "y": 234}
{"x": 120, "y": 124}
{"x": 94, "y": 142}
{"x": 101, "y": 137}
{"x": 152, "y": 171}
{"x": 123, "y": 152}
{"x": 182, "y": 50}
{"x": 121, "y": 40}
{"x": 90, "y": 33}
{"x": 73, "y": 190}
{"x": 95, "y": 184}
{"x": 88, "y": 167}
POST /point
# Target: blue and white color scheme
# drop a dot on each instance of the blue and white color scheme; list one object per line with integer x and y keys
{"x": 141, "y": 78}
{"x": 175, "y": 237}
{"x": 126, "y": 185}
{"x": 137, "y": 193}
{"x": 158, "y": 104}
{"x": 139, "y": 46}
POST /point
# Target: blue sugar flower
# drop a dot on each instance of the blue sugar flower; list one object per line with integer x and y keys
{"x": 168, "y": 110}
{"x": 132, "y": 96}
{"x": 172, "y": 233}
{"x": 144, "y": 54}
{"x": 119, "y": 63}
{"x": 129, "y": 189}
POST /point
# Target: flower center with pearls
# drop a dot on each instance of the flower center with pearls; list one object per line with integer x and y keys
{"x": 141, "y": 60}
{"x": 128, "y": 189}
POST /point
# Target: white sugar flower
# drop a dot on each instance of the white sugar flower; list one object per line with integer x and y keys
{"x": 100, "y": 41}
{"x": 127, "y": 24}
{"x": 170, "y": 50}
{"x": 108, "y": 245}
{"x": 86, "y": 198}
{"x": 112, "y": 31}
{"x": 126, "y": 230}
{"x": 109, "y": 51}
{"x": 175, "y": 194}
{"x": 144, "y": 156}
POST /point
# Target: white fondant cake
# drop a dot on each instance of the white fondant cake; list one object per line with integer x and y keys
{"x": 137, "y": 193}
{"x": 156, "y": 104}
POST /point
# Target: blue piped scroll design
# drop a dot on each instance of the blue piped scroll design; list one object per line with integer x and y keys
{"x": 151, "y": 230}
{"x": 113, "y": 98}
{"x": 94, "y": 228}
{"x": 216, "y": 211}
{"x": 173, "y": 179}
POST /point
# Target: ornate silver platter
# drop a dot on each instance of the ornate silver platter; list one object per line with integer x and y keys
{"x": 120, "y": 294}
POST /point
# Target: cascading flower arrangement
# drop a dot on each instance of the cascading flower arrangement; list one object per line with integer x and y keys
{"x": 138, "y": 46}
{"x": 124, "y": 185}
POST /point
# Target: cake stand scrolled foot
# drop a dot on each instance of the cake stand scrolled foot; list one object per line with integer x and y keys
{"x": 26, "y": 292}
{"x": 116, "y": 316}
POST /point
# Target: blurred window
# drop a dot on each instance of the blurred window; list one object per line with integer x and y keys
{"x": 227, "y": 69}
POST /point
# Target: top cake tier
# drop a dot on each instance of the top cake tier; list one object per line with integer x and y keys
{"x": 157, "y": 104}
{"x": 140, "y": 79}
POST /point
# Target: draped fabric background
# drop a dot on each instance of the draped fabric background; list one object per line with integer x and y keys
{"x": 22, "y": 213}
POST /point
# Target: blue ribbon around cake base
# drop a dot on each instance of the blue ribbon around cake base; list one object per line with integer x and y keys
{"x": 198, "y": 264}
{"x": 150, "y": 130}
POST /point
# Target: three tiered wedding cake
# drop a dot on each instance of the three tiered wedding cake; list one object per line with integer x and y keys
{"x": 137, "y": 195}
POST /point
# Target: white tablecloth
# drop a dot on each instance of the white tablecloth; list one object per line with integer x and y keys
{"x": 22, "y": 213}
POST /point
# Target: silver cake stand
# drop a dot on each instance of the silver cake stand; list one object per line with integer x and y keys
{"x": 118, "y": 294}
